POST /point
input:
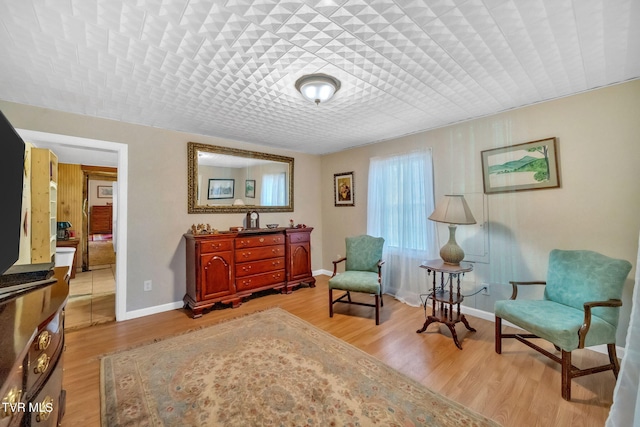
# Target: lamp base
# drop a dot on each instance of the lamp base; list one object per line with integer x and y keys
{"x": 451, "y": 253}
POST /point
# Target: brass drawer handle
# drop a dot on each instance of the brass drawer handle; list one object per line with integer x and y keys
{"x": 262, "y": 240}
{"x": 246, "y": 254}
{"x": 42, "y": 364}
{"x": 246, "y": 268}
{"x": 44, "y": 339}
{"x": 9, "y": 402}
{"x": 45, "y": 410}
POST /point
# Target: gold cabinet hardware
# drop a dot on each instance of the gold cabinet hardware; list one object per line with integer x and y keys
{"x": 42, "y": 364}
{"x": 11, "y": 399}
{"x": 45, "y": 410}
{"x": 44, "y": 339}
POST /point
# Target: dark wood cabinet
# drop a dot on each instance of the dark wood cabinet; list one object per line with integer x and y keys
{"x": 210, "y": 275}
{"x": 228, "y": 267}
{"x": 101, "y": 220}
{"x": 298, "y": 257}
{"x": 32, "y": 341}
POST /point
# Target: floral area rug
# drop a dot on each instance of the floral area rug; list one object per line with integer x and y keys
{"x": 268, "y": 368}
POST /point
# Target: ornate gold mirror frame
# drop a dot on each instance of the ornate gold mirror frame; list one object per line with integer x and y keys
{"x": 251, "y": 182}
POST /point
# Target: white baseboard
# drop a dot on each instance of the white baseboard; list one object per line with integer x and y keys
{"x": 153, "y": 310}
{"x": 321, "y": 272}
{"x": 492, "y": 318}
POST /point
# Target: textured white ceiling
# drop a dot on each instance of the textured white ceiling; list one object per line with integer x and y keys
{"x": 228, "y": 68}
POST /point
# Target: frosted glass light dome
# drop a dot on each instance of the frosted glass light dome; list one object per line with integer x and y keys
{"x": 317, "y": 87}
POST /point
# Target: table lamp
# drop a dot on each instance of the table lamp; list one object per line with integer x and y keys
{"x": 453, "y": 210}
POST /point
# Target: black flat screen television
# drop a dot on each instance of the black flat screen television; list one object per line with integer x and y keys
{"x": 14, "y": 277}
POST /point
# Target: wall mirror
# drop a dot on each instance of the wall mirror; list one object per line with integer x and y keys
{"x": 229, "y": 180}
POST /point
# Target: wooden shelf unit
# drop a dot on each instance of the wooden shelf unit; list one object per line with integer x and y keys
{"x": 44, "y": 205}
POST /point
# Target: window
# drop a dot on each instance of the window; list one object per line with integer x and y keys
{"x": 400, "y": 199}
{"x": 273, "y": 190}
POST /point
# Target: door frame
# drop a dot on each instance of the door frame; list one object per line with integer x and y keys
{"x": 122, "y": 152}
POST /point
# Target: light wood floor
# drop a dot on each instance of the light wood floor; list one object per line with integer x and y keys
{"x": 92, "y": 298}
{"x": 518, "y": 388}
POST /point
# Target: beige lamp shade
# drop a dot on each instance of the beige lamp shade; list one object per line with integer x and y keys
{"x": 452, "y": 209}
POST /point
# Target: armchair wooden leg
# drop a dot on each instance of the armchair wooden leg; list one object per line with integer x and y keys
{"x": 566, "y": 375}
{"x": 330, "y": 302}
{"x": 377, "y": 310}
{"x": 498, "y": 335}
{"x": 613, "y": 358}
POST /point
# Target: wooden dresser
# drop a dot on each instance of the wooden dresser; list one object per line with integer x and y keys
{"x": 228, "y": 267}
{"x": 101, "y": 221}
{"x": 31, "y": 345}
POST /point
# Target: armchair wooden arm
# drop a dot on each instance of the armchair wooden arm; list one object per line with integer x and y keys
{"x": 514, "y": 285}
{"x": 380, "y": 271}
{"x": 582, "y": 333}
{"x": 335, "y": 265}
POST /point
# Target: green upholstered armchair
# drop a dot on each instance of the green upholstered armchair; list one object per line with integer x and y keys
{"x": 579, "y": 309}
{"x": 362, "y": 272}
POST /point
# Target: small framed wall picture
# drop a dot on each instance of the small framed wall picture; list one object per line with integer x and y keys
{"x": 105, "y": 192}
{"x": 250, "y": 188}
{"x": 221, "y": 189}
{"x": 343, "y": 189}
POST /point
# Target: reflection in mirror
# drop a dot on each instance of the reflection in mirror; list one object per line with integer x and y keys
{"x": 224, "y": 180}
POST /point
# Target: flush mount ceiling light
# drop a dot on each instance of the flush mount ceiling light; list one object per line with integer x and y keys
{"x": 317, "y": 87}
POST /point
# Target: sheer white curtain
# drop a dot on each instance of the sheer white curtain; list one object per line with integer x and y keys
{"x": 400, "y": 200}
{"x": 625, "y": 410}
{"x": 273, "y": 190}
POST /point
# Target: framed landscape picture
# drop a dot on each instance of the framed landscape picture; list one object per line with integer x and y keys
{"x": 250, "y": 188}
{"x": 221, "y": 189}
{"x": 529, "y": 166}
{"x": 105, "y": 192}
{"x": 343, "y": 189}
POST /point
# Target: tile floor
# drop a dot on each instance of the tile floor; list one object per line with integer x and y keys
{"x": 92, "y": 297}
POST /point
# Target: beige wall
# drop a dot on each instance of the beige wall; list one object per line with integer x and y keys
{"x": 157, "y": 197}
{"x": 596, "y": 208}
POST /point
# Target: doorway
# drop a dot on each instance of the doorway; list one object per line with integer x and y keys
{"x": 78, "y": 151}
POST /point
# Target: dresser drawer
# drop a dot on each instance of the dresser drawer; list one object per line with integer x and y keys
{"x": 261, "y": 240}
{"x": 299, "y": 237}
{"x": 260, "y": 280}
{"x": 43, "y": 351}
{"x": 47, "y": 406}
{"x": 210, "y": 246}
{"x": 257, "y": 267}
{"x": 255, "y": 254}
{"x": 11, "y": 393}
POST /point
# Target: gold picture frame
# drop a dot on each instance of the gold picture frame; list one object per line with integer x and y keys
{"x": 528, "y": 166}
{"x": 343, "y": 189}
